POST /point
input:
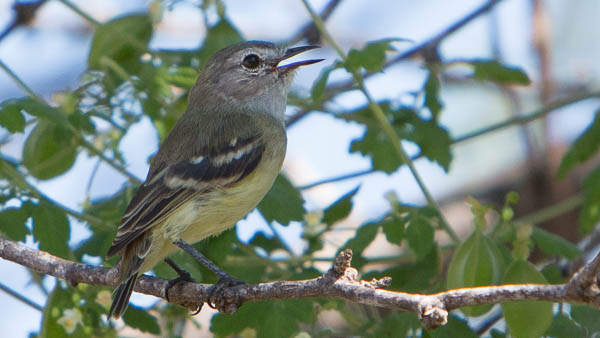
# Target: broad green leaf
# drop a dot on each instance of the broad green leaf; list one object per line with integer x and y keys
{"x": 432, "y": 139}
{"x": 563, "y": 327}
{"x": 393, "y": 229}
{"x": 268, "y": 243}
{"x": 267, "y": 319}
{"x": 587, "y": 317}
{"x": 51, "y": 229}
{"x": 553, "y": 274}
{"x": 49, "y": 150}
{"x": 419, "y": 234}
{"x": 584, "y": 147}
{"x": 375, "y": 145}
{"x": 140, "y": 319}
{"x": 361, "y": 240}
{"x": 12, "y": 223}
{"x": 34, "y": 107}
{"x": 110, "y": 208}
{"x": 488, "y": 70}
{"x": 371, "y": 57}
{"x": 339, "y": 209}
{"x": 590, "y": 213}
{"x": 456, "y": 327}
{"x": 432, "y": 94}
{"x": 122, "y": 40}
{"x": 476, "y": 262}
{"x": 11, "y": 118}
{"x": 283, "y": 203}
{"x": 218, "y": 36}
{"x": 319, "y": 85}
{"x": 555, "y": 245}
{"x": 527, "y": 318}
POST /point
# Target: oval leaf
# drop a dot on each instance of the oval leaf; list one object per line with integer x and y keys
{"x": 49, "y": 151}
{"x": 476, "y": 262}
{"x": 526, "y": 319}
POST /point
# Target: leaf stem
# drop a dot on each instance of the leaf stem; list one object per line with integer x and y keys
{"x": 383, "y": 122}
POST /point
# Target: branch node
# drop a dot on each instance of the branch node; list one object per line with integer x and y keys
{"x": 342, "y": 262}
{"x": 377, "y": 283}
{"x": 432, "y": 315}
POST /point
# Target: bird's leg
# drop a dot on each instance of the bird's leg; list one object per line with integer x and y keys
{"x": 184, "y": 276}
{"x": 225, "y": 280}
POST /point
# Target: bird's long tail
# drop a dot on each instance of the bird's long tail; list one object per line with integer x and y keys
{"x": 121, "y": 297}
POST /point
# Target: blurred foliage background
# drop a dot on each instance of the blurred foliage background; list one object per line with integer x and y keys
{"x": 448, "y": 144}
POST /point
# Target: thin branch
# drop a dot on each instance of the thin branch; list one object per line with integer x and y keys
{"x": 20, "y": 297}
{"x": 80, "y": 12}
{"x": 310, "y": 31}
{"x": 384, "y": 124}
{"x": 340, "y": 282}
{"x": 519, "y": 120}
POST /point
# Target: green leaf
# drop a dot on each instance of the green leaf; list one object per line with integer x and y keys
{"x": 49, "y": 150}
{"x": 58, "y": 301}
{"x": 563, "y": 327}
{"x": 140, "y": 319}
{"x": 456, "y": 327}
{"x": 488, "y": 70}
{"x": 183, "y": 77}
{"x": 584, "y": 147}
{"x": 590, "y": 213}
{"x": 51, "y": 229}
{"x": 363, "y": 237}
{"x": 219, "y": 36}
{"x": 34, "y": 107}
{"x": 318, "y": 88}
{"x": 12, "y": 223}
{"x": 476, "y": 262}
{"x": 123, "y": 40}
{"x": 555, "y": 245}
{"x": 397, "y": 325}
{"x": 587, "y": 317}
{"x": 11, "y": 118}
{"x": 432, "y": 139}
{"x": 553, "y": 274}
{"x": 419, "y": 234}
{"x": 412, "y": 277}
{"x": 339, "y": 209}
{"x": 393, "y": 229}
{"x": 371, "y": 57}
{"x": 432, "y": 94}
{"x": 283, "y": 203}
{"x": 268, "y": 319}
{"x": 526, "y": 318}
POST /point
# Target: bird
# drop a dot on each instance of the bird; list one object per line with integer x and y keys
{"x": 216, "y": 164}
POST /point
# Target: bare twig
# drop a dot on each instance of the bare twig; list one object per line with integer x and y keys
{"x": 20, "y": 297}
{"x": 340, "y": 282}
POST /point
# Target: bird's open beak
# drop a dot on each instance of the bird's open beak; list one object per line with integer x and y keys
{"x": 293, "y": 52}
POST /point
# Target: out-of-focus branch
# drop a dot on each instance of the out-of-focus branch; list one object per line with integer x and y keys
{"x": 340, "y": 282}
{"x": 24, "y": 14}
{"x": 518, "y": 120}
{"x": 310, "y": 31}
{"x": 384, "y": 124}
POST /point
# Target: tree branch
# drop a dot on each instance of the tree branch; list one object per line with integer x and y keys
{"x": 341, "y": 282}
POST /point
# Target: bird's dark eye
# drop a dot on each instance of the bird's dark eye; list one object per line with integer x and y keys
{"x": 251, "y": 61}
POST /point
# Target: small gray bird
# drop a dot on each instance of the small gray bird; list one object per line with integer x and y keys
{"x": 217, "y": 163}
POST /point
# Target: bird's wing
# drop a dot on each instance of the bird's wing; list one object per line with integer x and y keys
{"x": 223, "y": 163}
